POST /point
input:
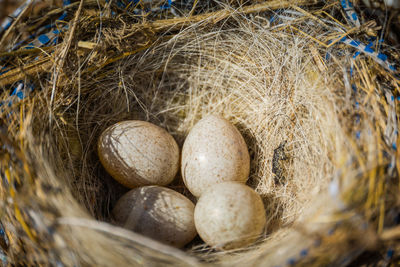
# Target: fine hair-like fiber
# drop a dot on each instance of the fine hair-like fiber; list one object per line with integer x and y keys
{"x": 318, "y": 152}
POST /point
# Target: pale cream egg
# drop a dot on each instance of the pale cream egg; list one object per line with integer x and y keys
{"x": 229, "y": 215}
{"x": 214, "y": 151}
{"x": 157, "y": 212}
{"x": 138, "y": 153}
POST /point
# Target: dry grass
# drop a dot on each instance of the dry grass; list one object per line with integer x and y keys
{"x": 270, "y": 80}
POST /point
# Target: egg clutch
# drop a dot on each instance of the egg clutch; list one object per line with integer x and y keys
{"x": 215, "y": 166}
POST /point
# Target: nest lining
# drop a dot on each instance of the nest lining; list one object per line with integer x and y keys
{"x": 297, "y": 120}
{"x": 265, "y": 84}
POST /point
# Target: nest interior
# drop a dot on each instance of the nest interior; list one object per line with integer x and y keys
{"x": 312, "y": 138}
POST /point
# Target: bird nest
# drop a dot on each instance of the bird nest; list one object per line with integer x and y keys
{"x": 307, "y": 85}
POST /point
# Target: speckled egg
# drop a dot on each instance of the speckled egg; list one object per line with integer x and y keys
{"x": 214, "y": 151}
{"x": 139, "y": 153}
{"x": 157, "y": 212}
{"x": 229, "y": 215}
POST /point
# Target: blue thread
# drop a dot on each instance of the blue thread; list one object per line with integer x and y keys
{"x": 356, "y": 54}
{"x": 304, "y": 252}
{"x": 357, "y": 105}
{"x": 120, "y": 4}
{"x": 63, "y": 16}
{"x": 166, "y": 6}
{"x": 21, "y": 42}
{"x": 163, "y": 7}
{"x": 371, "y": 43}
{"x": 394, "y": 146}
{"x": 48, "y": 26}
{"x": 327, "y": 56}
{"x": 343, "y": 39}
{"x": 358, "y": 134}
{"x": 331, "y": 231}
{"x": 354, "y": 43}
{"x": 20, "y": 95}
{"x": 382, "y": 56}
{"x": 44, "y": 39}
{"x": 354, "y": 87}
{"x": 368, "y": 49}
{"x": 379, "y": 58}
{"x": 392, "y": 97}
{"x": 350, "y": 12}
{"x": 389, "y": 253}
{"x": 358, "y": 119}
{"x": 291, "y": 261}
{"x": 29, "y": 46}
{"x": 6, "y": 25}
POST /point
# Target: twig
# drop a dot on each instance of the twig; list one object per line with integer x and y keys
{"x": 127, "y": 235}
{"x": 177, "y": 23}
{"x": 19, "y": 74}
{"x": 63, "y": 55}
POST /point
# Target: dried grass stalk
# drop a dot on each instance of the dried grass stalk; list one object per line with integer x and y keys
{"x": 321, "y": 184}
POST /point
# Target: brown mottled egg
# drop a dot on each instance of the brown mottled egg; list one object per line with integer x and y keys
{"x": 138, "y": 153}
{"x": 157, "y": 212}
{"x": 214, "y": 151}
{"x": 229, "y": 215}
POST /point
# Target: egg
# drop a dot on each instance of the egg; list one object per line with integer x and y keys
{"x": 214, "y": 151}
{"x": 229, "y": 215}
{"x": 157, "y": 212}
{"x": 137, "y": 153}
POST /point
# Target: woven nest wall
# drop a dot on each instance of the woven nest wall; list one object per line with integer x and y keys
{"x": 311, "y": 86}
